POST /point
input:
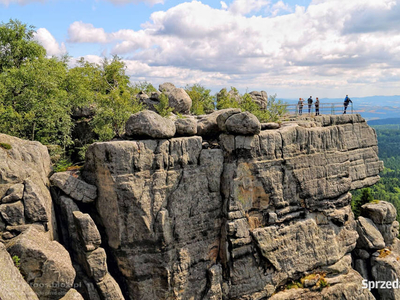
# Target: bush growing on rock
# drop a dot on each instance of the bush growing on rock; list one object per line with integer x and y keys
{"x": 202, "y": 101}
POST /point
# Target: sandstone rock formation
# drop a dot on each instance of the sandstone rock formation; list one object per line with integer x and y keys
{"x": 239, "y": 222}
{"x": 12, "y": 284}
{"x": 149, "y": 124}
{"x": 247, "y": 215}
{"x": 179, "y": 100}
{"x": 381, "y": 235}
{"x": 24, "y": 193}
{"x": 260, "y": 98}
{"x": 45, "y": 264}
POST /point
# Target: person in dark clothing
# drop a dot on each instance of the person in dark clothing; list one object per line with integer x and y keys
{"x": 346, "y": 103}
{"x": 317, "y": 106}
{"x": 300, "y": 106}
{"x": 310, "y": 101}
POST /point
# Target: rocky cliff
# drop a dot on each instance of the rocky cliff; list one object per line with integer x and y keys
{"x": 218, "y": 215}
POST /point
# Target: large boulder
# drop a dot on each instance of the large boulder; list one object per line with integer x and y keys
{"x": 74, "y": 187}
{"x": 89, "y": 235}
{"x": 45, "y": 264}
{"x": 260, "y": 98}
{"x": 369, "y": 236}
{"x": 149, "y": 124}
{"x": 243, "y": 123}
{"x": 24, "y": 170}
{"x": 12, "y": 284}
{"x": 207, "y": 125}
{"x": 186, "y": 126}
{"x": 179, "y": 100}
{"x": 380, "y": 213}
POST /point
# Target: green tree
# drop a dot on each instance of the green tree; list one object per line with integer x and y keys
{"x": 17, "y": 45}
{"x": 33, "y": 104}
{"x": 115, "y": 101}
{"x": 365, "y": 197}
{"x": 202, "y": 101}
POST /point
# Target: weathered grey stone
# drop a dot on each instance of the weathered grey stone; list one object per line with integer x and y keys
{"x": 260, "y": 98}
{"x": 109, "y": 289}
{"x": 347, "y": 286}
{"x": 72, "y": 295}
{"x": 380, "y": 213}
{"x": 361, "y": 253}
{"x": 186, "y": 126}
{"x": 12, "y": 284}
{"x": 14, "y": 193}
{"x": 88, "y": 233}
{"x": 179, "y": 100}
{"x": 27, "y": 161}
{"x": 270, "y": 125}
{"x": 96, "y": 264}
{"x": 215, "y": 291}
{"x": 44, "y": 263}
{"x": 387, "y": 269}
{"x": 270, "y": 208}
{"x": 13, "y": 213}
{"x": 360, "y": 265}
{"x": 221, "y": 119}
{"x": 207, "y": 125}
{"x": 149, "y": 124}
{"x": 166, "y": 87}
{"x": 390, "y": 232}
{"x": 369, "y": 236}
{"x": 243, "y": 123}
{"x": 74, "y": 187}
{"x": 35, "y": 204}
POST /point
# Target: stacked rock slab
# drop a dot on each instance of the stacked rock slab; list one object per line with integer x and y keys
{"x": 24, "y": 194}
{"x": 82, "y": 238}
{"x": 239, "y": 222}
{"x": 377, "y": 256}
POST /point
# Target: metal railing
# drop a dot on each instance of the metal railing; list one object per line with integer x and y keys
{"x": 324, "y": 109}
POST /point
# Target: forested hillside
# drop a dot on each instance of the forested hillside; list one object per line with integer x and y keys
{"x": 388, "y": 188}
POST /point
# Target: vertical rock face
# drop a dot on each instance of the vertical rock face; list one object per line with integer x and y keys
{"x": 24, "y": 193}
{"x": 239, "y": 222}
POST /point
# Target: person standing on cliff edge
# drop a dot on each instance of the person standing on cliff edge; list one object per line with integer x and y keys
{"x": 317, "y": 106}
{"x": 300, "y": 106}
{"x": 346, "y": 103}
{"x": 310, "y": 101}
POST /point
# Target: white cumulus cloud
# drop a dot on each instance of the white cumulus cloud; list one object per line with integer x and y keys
{"x": 47, "y": 40}
{"x": 327, "y": 46}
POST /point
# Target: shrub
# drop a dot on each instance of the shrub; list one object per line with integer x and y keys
{"x": 202, "y": 101}
{"x": 163, "y": 107}
{"x": 16, "y": 261}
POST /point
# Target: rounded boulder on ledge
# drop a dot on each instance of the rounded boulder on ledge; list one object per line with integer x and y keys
{"x": 147, "y": 123}
{"x": 243, "y": 123}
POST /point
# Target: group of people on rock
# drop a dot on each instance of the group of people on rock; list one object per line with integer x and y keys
{"x": 310, "y": 101}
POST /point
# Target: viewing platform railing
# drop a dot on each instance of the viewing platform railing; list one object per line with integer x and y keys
{"x": 324, "y": 109}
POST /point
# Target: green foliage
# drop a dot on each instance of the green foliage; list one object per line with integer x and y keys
{"x": 17, "y": 45}
{"x": 62, "y": 165}
{"x": 202, "y": 101}
{"x": 273, "y": 112}
{"x": 16, "y": 261}
{"x": 163, "y": 107}
{"x": 115, "y": 102}
{"x": 364, "y": 197}
{"x": 144, "y": 86}
{"x": 226, "y": 100}
{"x": 5, "y": 146}
{"x": 294, "y": 285}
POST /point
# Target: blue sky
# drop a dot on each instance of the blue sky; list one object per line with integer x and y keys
{"x": 292, "y": 48}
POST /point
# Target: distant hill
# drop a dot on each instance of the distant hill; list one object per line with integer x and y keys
{"x": 384, "y": 121}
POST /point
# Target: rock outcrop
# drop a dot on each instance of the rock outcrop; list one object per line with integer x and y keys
{"x": 179, "y": 100}
{"x": 24, "y": 193}
{"x": 377, "y": 256}
{"x": 241, "y": 221}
